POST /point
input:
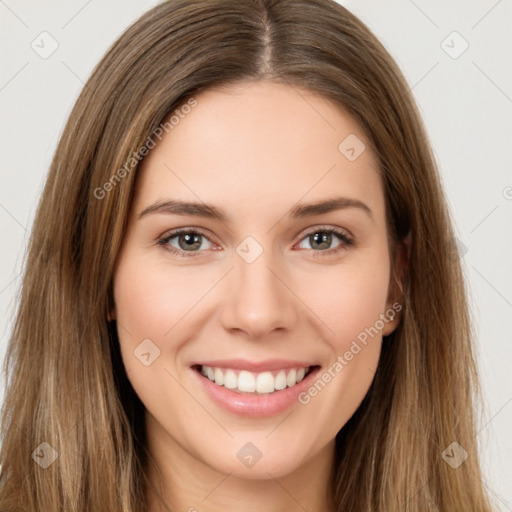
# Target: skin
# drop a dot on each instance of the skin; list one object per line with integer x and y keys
{"x": 254, "y": 149}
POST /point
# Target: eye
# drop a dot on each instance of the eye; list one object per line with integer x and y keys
{"x": 321, "y": 239}
{"x": 190, "y": 241}
{"x": 185, "y": 242}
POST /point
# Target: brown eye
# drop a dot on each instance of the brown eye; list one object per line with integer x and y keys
{"x": 322, "y": 240}
{"x": 185, "y": 241}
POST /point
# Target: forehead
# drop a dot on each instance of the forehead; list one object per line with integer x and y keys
{"x": 256, "y": 144}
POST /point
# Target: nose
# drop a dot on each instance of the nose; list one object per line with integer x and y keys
{"x": 258, "y": 298}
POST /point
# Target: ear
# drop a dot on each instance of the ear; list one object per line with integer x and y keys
{"x": 111, "y": 313}
{"x": 394, "y": 303}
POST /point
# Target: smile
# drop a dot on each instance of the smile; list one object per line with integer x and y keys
{"x": 263, "y": 383}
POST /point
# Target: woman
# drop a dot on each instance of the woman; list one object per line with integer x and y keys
{"x": 238, "y": 293}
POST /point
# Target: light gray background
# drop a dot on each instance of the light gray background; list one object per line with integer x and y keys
{"x": 466, "y": 103}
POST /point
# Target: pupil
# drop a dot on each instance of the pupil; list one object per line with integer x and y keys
{"x": 322, "y": 239}
{"x": 190, "y": 241}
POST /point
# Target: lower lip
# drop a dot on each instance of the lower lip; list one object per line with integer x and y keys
{"x": 255, "y": 406}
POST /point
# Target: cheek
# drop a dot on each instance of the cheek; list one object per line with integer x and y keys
{"x": 149, "y": 299}
{"x": 349, "y": 299}
{"x": 155, "y": 301}
{"x": 151, "y": 307}
{"x": 147, "y": 308}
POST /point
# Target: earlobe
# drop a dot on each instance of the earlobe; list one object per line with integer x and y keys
{"x": 406, "y": 246}
{"x": 396, "y": 291}
{"x": 392, "y": 316}
{"x": 402, "y": 260}
{"x": 111, "y": 314}
{"x": 111, "y": 307}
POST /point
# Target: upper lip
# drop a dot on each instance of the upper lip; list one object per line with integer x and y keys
{"x": 256, "y": 366}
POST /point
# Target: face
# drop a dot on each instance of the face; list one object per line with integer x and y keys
{"x": 274, "y": 282}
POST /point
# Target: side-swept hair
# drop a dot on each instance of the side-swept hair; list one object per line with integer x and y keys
{"x": 66, "y": 385}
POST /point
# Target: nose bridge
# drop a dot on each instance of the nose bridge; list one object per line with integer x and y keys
{"x": 258, "y": 300}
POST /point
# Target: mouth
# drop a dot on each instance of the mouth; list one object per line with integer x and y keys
{"x": 244, "y": 382}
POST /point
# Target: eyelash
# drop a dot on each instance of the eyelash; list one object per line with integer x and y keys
{"x": 346, "y": 240}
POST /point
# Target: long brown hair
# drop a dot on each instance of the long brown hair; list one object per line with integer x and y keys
{"x": 67, "y": 393}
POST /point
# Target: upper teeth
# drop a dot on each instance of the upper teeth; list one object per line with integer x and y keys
{"x": 248, "y": 382}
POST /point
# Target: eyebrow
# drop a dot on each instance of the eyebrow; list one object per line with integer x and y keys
{"x": 213, "y": 212}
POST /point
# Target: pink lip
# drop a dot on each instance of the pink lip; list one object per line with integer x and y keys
{"x": 256, "y": 367}
{"x": 255, "y": 406}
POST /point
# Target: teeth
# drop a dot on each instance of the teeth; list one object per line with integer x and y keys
{"x": 280, "y": 380}
{"x": 291, "y": 378}
{"x": 248, "y": 382}
{"x": 219, "y": 376}
{"x": 264, "y": 383}
{"x": 230, "y": 380}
